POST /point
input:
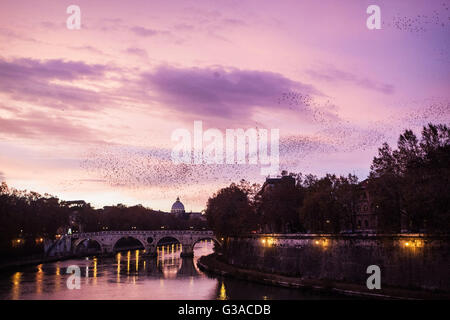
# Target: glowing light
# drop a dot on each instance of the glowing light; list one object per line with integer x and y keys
{"x": 322, "y": 242}
{"x": 223, "y": 292}
{"x": 137, "y": 260}
{"x": 39, "y": 278}
{"x": 119, "y": 256}
{"x": 128, "y": 261}
{"x": 16, "y": 279}
{"x": 95, "y": 267}
{"x": 270, "y": 241}
{"x": 17, "y": 242}
{"x": 57, "y": 277}
{"x": 413, "y": 243}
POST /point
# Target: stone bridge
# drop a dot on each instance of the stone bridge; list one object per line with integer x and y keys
{"x": 107, "y": 240}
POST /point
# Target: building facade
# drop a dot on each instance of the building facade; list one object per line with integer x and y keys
{"x": 366, "y": 219}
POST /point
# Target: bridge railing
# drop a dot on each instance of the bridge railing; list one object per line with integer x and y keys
{"x": 141, "y": 232}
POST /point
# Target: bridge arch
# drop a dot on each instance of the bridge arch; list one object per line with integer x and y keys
{"x": 205, "y": 238}
{"x": 159, "y": 241}
{"x": 130, "y": 239}
{"x": 77, "y": 245}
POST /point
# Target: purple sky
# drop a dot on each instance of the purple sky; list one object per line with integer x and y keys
{"x": 88, "y": 114}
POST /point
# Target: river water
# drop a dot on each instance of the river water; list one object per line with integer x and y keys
{"x": 132, "y": 275}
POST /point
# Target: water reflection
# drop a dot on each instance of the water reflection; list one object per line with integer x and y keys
{"x": 223, "y": 291}
{"x": 16, "y": 278}
{"x": 57, "y": 277}
{"x": 118, "y": 257}
{"x": 39, "y": 279}
{"x": 95, "y": 271}
{"x": 134, "y": 275}
{"x": 128, "y": 262}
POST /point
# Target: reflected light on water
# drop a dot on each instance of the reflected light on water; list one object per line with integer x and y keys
{"x": 223, "y": 292}
{"x": 168, "y": 260}
{"x": 128, "y": 261}
{"x": 119, "y": 256}
{"x": 95, "y": 267}
{"x": 95, "y": 271}
{"x": 86, "y": 280}
{"x": 174, "y": 278}
{"x": 57, "y": 277}
{"x": 39, "y": 277}
{"x": 137, "y": 260}
{"x": 16, "y": 279}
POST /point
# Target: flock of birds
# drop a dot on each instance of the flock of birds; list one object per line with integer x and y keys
{"x": 322, "y": 112}
{"x": 437, "y": 20}
{"x": 127, "y": 167}
{"x": 293, "y": 98}
{"x": 137, "y": 168}
{"x": 421, "y": 22}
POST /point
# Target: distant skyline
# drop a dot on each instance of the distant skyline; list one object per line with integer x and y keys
{"x": 88, "y": 114}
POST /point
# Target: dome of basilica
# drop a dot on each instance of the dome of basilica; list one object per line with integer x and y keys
{"x": 177, "y": 207}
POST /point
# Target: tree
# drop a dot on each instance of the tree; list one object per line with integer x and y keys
{"x": 411, "y": 184}
{"x": 229, "y": 212}
{"x": 277, "y": 206}
{"x": 329, "y": 203}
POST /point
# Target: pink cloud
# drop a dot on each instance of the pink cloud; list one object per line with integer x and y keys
{"x": 218, "y": 92}
{"x": 332, "y": 74}
{"x": 40, "y": 125}
{"x": 31, "y": 80}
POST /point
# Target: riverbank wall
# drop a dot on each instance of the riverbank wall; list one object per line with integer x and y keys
{"x": 409, "y": 261}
